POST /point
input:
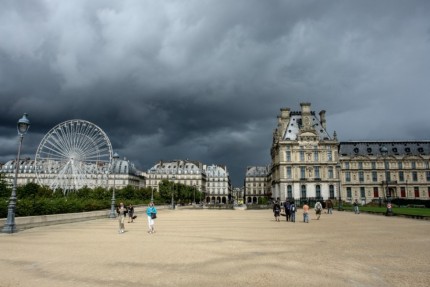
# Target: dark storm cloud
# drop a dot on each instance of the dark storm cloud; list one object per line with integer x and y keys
{"x": 205, "y": 80}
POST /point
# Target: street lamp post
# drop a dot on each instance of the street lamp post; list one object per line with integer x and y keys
{"x": 112, "y": 213}
{"x": 10, "y": 227}
{"x": 173, "y": 190}
{"x": 194, "y": 200}
{"x": 384, "y": 152}
{"x": 339, "y": 206}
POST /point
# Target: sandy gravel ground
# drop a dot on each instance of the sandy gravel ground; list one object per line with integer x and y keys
{"x": 221, "y": 248}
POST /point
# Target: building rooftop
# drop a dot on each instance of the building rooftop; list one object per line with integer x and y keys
{"x": 365, "y": 148}
{"x": 257, "y": 171}
{"x": 295, "y": 123}
{"x": 176, "y": 167}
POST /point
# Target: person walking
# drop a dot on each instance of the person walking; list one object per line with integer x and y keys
{"x": 318, "y": 209}
{"x": 276, "y": 210}
{"x": 130, "y": 211}
{"x": 306, "y": 212}
{"x": 122, "y": 212}
{"x": 287, "y": 210}
{"x": 292, "y": 212}
{"x": 151, "y": 213}
{"x": 356, "y": 208}
{"x": 329, "y": 205}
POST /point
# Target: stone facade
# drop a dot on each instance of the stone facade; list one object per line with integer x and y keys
{"x": 256, "y": 184}
{"x": 122, "y": 173}
{"x": 213, "y": 180}
{"x": 218, "y": 185}
{"x": 308, "y": 163}
{"x": 26, "y": 171}
{"x": 395, "y": 169}
{"x": 186, "y": 172}
{"x": 304, "y": 156}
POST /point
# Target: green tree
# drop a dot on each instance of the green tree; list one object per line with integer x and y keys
{"x": 5, "y": 191}
{"x": 44, "y": 192}
{"x": 126, "y": 192}
{"x": 166, "y": 188}
{"x": 28, "y": 190}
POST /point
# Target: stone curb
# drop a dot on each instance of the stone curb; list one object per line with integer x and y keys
{"x": 421, "y": 217}
{"x": 26, "y": 222}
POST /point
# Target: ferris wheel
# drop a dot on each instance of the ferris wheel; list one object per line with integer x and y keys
{"x": 72, "y": 155}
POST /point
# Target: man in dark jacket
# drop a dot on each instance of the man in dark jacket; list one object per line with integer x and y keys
{"x": 287, "y": 209}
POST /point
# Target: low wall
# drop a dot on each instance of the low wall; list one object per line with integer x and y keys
{"x": 26, "y": 222}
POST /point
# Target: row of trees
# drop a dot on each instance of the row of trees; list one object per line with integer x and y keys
{"x": 34, "y": 199}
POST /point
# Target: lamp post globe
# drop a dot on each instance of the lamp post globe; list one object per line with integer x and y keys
{"x": 22, "y": 126}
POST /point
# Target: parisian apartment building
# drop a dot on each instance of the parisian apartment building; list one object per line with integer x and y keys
{"x": 256, "y": 187}
{"x": 212, "y": 180}
{"x": 385, "y": 169}
{"x": 121, "y": 173}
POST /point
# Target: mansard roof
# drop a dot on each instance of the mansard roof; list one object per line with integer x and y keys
{"x": 366, "y": 148}
{"x": 123, "y": 166}
{"x": 119, "y": 166}
{"x": 216, "y": 170}
{"x": 177, "y": 166}
{"x": 257, "y": 171}
{"x": 25, "y": 166}
{"x": 293, "y": 129}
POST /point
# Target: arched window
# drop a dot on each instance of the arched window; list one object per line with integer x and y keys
{"x": 303, "y": 191}
{"x": 318, "y": 191}
{"x": 289, "y": 191}
{"x": 331, "y": 190}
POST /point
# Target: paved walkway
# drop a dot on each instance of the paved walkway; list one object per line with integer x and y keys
{"x": 221, "y": 248}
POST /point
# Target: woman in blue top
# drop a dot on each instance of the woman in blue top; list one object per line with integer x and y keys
{"x": 149, "y": 212}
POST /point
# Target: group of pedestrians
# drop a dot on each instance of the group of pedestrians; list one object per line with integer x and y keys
{"x": 290, "y": 210}
{"x": 122, "y": 212}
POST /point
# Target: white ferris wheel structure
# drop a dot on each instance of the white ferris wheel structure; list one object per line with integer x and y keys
{"x": 72, "y": 155}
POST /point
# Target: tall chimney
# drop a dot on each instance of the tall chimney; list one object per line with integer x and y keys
{"x": 285, "y": 113}
{"x": 306, "y": 116}
{"x": 322, "y": 119}
{"x": 306, "y": 108}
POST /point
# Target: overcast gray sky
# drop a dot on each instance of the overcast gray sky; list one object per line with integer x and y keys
{"x": 205, "y": 80}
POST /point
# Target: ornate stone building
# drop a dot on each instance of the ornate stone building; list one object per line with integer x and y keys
{"x": 395, "y": 169}
{"x": 186, "y": 172}
{"x": 26, "y": 171}
{"x": 121, "y": 174}
{"x": 213, "y": 181}
{"x": 218, "y": 185}
{"x": 124, "y": 173}
{"x": 256, "y": 184}
{"x": 308, "y": 163}
{"x": 304, "y": 156}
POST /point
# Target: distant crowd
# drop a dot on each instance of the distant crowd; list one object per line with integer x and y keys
{"x": 289, "y": 209}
